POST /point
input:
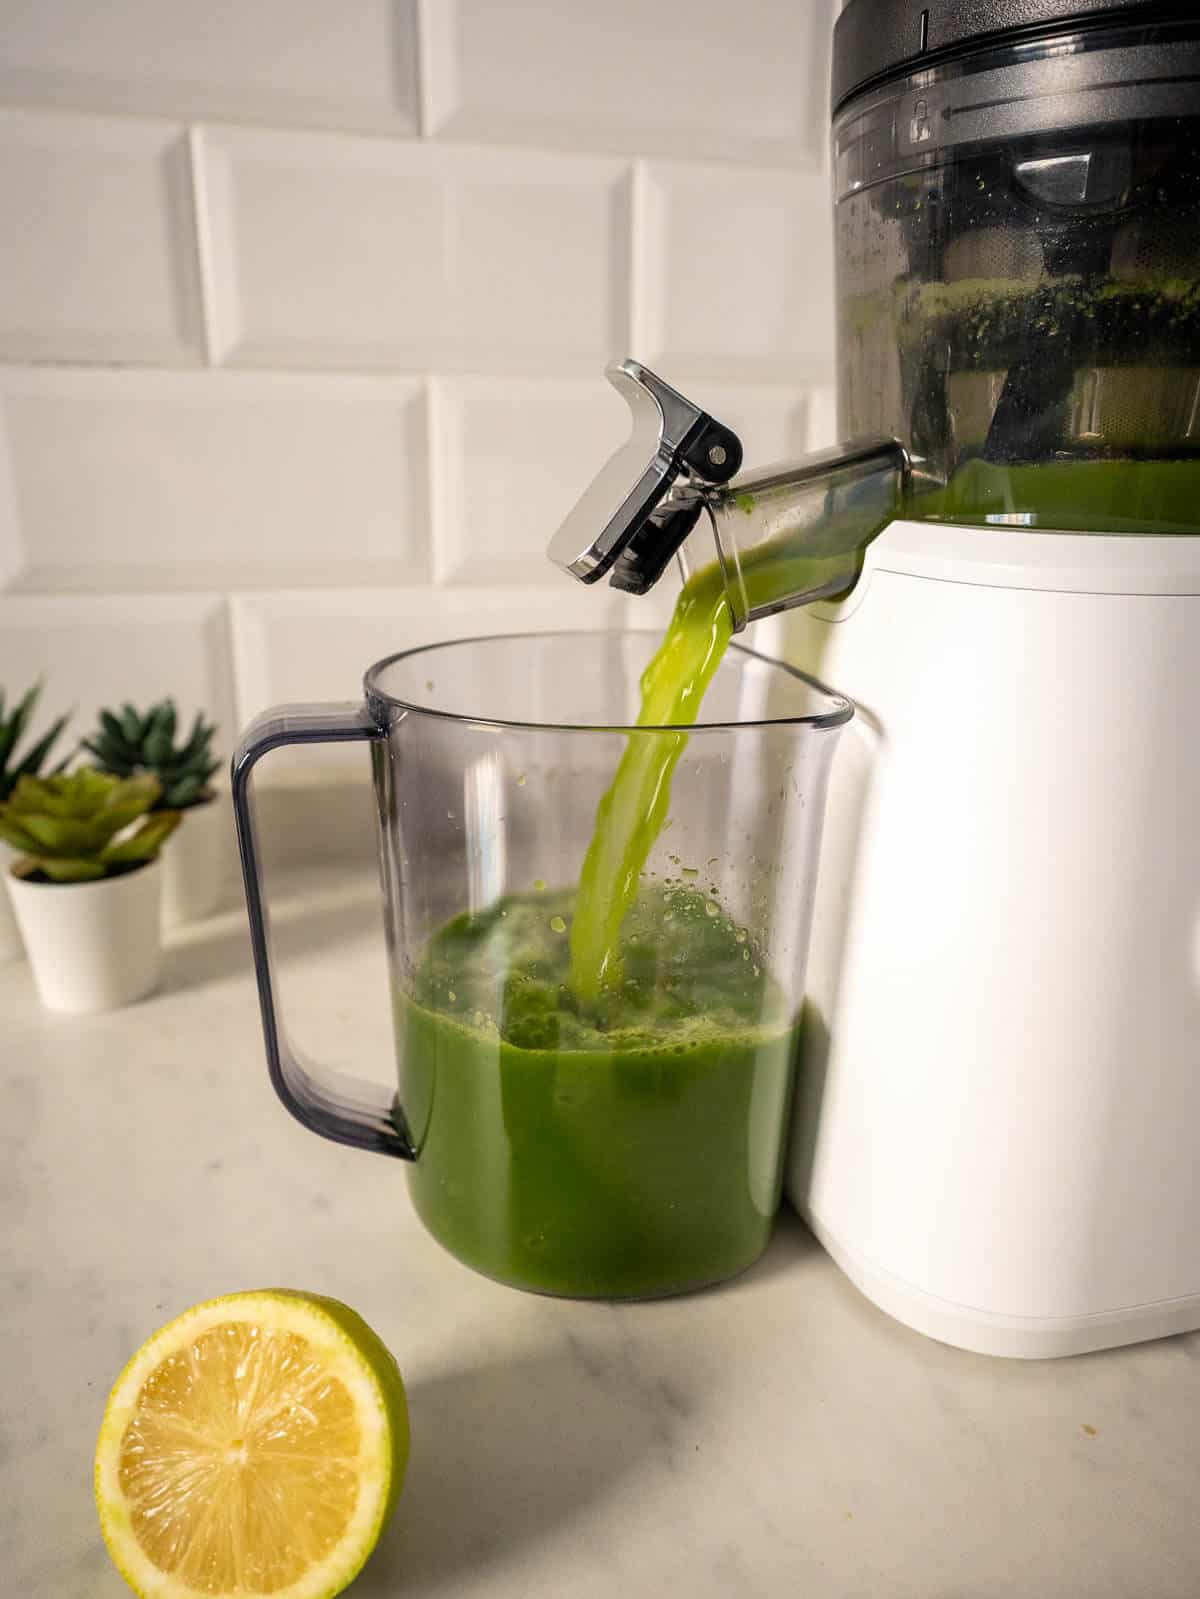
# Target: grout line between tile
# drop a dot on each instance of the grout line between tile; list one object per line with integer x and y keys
{"x": 435, "y": 456}
{"x": 637, "y": 262}
{"x": 422, "y": 24}
{"x": 202, "y": 222}
{"x": 241, "y": 669}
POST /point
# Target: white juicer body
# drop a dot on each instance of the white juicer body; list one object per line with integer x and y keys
{"x": 998, "y": 1124}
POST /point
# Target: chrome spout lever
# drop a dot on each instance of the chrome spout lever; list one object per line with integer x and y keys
{"x": 645, "y": 501}
{"x": 783, "y": 536}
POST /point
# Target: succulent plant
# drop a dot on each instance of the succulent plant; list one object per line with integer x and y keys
{"x": 12, "y": 729}
{"x": 130, "y": 743}
{"x": 74, "y": 828}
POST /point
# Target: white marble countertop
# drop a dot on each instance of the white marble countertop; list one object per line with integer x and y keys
{"x": 778, "y": 1436}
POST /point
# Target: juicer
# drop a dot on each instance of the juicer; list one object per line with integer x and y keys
{"x": 997, "y": 1127}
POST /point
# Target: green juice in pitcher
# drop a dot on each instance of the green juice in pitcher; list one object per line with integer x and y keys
{"x": 626, "y": 1035}
{"x": 642, "y": 1138}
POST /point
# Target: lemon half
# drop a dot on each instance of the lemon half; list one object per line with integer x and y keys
{"x": 254, "y": 1445}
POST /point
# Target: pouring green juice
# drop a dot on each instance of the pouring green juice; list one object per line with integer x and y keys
{"x": 639, "y": 1051}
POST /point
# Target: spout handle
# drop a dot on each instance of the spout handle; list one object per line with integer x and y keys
{"x": 675, "y": 451}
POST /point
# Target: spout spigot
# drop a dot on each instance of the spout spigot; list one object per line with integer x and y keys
{"x": 782, "y": 536}
{"x": 632, "y": 519}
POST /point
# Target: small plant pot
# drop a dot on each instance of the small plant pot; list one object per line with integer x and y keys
{"x": 194, "y": 860}
{"x": 93, "y": 946}
{"x": 11, "y": 947}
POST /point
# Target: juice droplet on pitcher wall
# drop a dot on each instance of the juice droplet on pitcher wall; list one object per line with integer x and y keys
{"x": 521, "y": 780}
{"x": 539, "y": 884}
{"x": 557, "y": 923}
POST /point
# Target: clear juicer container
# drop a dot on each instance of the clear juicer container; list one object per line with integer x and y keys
{"x": 1018, "y": 305}
{"x": 1018, "y": 270}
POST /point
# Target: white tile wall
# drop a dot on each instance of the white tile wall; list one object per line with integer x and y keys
{"x": 11, "y": 554}
{"x": 737, "y": 280}
{"x": 336, "y": 251}
{"x": 322, "y": 63}
{"x": 689, "y": 77}
{"x": 78, "y": 193}
{"x": 187, "y": 473}
{"x": 297, "y": 645}
{"x": 512, "y": 457}
{"x": 304, "y": 304}
{"x": 312, "y": 646}
{"x": 99, "y": 650}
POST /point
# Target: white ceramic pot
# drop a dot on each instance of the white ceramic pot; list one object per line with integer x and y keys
{"x": 194, "y": 861}
{"x": 93, "y": 946}
{"x": 11, "y": 947}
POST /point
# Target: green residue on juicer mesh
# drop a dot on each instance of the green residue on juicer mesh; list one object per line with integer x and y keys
{"x": 988, "y": 323}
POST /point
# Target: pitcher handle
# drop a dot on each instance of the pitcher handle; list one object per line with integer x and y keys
{"x": 349, "y": 1110}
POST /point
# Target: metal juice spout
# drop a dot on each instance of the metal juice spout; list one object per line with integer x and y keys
{"x": 783, "y": 536}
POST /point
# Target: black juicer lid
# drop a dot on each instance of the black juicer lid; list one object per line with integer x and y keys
{"x": 877, "y": 39}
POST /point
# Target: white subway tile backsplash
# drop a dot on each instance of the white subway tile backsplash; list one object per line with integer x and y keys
{"x": 320, "y": 63}
{"x": 185, "y": 473}
{"x": 99, "y": 650}
{"x": 11, "y": 554}
{"x": 99, "y": 257}
{"x": 341, "y": 251}
{"x": 682, "y": 77}
{"x": 539, "y": 259}
{"x": 187, "y": 184}
{"x": 734, "y": 271}
{"x": 511, "y": 457}
{"x": 303, "y": 645}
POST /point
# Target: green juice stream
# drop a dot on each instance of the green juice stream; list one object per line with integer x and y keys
{"x": 598, "y": 1081}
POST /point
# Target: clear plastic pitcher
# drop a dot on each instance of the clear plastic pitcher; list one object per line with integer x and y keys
{"x": 626, "y": 1146}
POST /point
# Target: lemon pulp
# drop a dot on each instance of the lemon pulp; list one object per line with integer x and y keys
{"x": 254, "y": 1446}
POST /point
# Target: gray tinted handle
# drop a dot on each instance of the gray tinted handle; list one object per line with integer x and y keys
{"x": 346, "y": 1109}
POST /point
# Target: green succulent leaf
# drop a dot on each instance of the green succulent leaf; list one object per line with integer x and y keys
{"x": 71, "y": 824}
{"x": 131, "y": 725}
{"x": 144, "y": 843}
{"x": 71, "y": 869}
{"x": 31, "y": 762}
{"x": 130, "y": 743}
{"x": 63, "y": 835}
{"x": 114, "y": 730}
{"x": 34, "y": 795}
{"x": 132, "y": 797}
{"x": 185, "y": 792}
{"x": 13, "y": 833}
{"x": 12, "y": 728}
